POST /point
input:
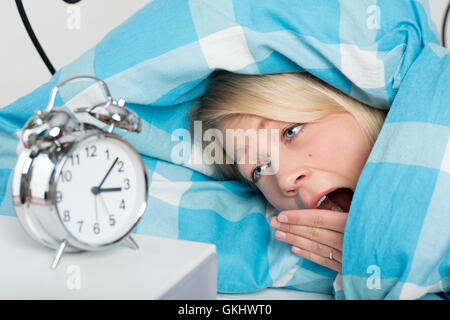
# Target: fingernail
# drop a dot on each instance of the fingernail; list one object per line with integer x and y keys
{"x": 274, "y": 223}
{"x": 282, "y": 218}
{"x": 296, "y": 249}
{"x": 280, "y": 235}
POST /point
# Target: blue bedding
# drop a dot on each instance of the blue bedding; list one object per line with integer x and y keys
{"x": 384, "y": 53}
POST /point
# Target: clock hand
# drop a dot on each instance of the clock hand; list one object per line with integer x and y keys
{"x": 104, "y": 205}
{"x": 97, "y": 190}
{"x": 109, "y": 189}
{"x": 96, "y": 212}
{"x": 107, "y": 174}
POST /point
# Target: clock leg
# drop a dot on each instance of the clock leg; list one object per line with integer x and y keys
{"x": 59, "y": 253}
{"x": 131, "y": 242}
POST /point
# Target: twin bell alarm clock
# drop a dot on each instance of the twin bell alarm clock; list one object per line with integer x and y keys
{"x": 77, "y": 186}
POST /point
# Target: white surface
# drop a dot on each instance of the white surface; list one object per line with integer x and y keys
{"x": 160, "y": 269}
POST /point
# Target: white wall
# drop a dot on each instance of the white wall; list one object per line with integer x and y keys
{"x": 64, "y": 37}
{"x": 61, "y": 34}
{"x": 437, "y": 11}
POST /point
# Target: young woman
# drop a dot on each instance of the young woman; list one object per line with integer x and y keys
{"x": 325, "y": 138}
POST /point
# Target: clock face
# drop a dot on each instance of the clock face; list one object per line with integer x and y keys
{"x": 100, "y": 191}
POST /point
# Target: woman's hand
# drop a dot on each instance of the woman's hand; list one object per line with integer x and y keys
{"x": 315, "y": 234}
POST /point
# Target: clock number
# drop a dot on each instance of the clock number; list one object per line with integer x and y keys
{"x": 122, "y": 204}
{"x": 75, "y": 159}
{"x": 112, "y": 221}
{"x": 66, "y": 214}
{"x": 126, "y": 184}
{"x": 66, "y": 176}
{"x": 96, "y": 228}
{"x": 120, "y": 165}
{"x": 107, "y": 154}
{"x": 91, "y": 151}
{"x": 81, "y": 225}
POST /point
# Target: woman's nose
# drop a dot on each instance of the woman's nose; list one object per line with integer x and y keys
{"x": 291, "y": 180}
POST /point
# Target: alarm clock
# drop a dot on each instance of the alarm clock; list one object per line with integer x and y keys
{"x": 76, "y": 186}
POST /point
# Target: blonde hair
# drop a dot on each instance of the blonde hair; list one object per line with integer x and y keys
{"x": 287, "y": 97}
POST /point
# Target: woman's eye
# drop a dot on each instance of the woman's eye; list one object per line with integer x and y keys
{"x": 258, "y": 171}
{"x": 291, "y": 132}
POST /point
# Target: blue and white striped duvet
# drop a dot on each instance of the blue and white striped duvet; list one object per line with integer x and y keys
{"x": 384, "y": 53}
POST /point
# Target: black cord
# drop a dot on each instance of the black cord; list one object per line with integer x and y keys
{"x": 444, "y": 25}
{"x": 33, "y": 37}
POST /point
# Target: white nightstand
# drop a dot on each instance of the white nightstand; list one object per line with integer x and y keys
{"x": 160, "y": 269}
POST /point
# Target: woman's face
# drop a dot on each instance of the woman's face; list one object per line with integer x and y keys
{"x": 313, "y": 160}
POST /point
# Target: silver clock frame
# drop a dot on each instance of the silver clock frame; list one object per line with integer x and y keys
{"x": 40, "y": 163}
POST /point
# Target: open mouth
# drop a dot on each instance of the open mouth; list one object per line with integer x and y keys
{"x": 337, "y": 200}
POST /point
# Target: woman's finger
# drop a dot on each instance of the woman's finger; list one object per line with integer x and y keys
{"x": 325, "y": 219}
{"x": 316, "y": 247}
{"x": 326, "y": 262}
{"x": 327, "y": 237}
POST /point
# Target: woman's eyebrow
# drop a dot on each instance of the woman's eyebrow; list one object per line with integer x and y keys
{"x": 262, "y": 124}
{"x": 238, "y": 151}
